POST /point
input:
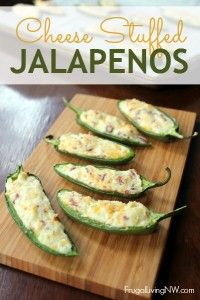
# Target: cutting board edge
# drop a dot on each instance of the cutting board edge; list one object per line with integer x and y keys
{"x": 32, "y": 270}
{"x": 5, "y": 259}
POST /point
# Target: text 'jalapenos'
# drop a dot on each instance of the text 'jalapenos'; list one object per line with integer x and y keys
{"x": 112, "y": 216}
{"x": 127, "y": 184}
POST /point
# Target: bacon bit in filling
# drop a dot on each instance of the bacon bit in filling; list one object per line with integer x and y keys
{"x": 142, "y": 138}
{"x": 95, "y": 123}
{"x": 16, "y": 197}
{"x": 72, "y": 168}
{"x": 133, "y": 172}
{"x": 120, "y": 180}
{"x": 103, "y": 177}
{"x": 125, "y": 218}
{"x": 88, "y": 171}
{"x": 127, "y": 192}
{"x": 89, "y": 148}
{"x": 56, "y": 218}
{"x": 73, "y": 202}
{"x": 109, "y": 128}
{"x": 43, "y": 222}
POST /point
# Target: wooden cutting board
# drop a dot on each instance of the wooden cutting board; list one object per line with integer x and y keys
{"x": 107, "y": 262}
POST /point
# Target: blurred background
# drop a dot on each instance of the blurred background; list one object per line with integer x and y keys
{"x": 103, "y": 2}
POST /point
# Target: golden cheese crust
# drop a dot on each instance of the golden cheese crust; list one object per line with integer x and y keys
{"x": 112, "y": 213}
{"x": 147, "y": 116}
{"x": 90, "y": 145}
{"x": 106, "y": 179}
{"x": 34, "y": 209}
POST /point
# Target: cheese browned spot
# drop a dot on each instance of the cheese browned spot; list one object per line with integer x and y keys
{"x": 90, "y": 145}
{"x": 106, "y": 179}
{"x": 112, "y": 213}
{"x": 109, "y": 124}
{"x": 147, "y": 116}
{"x": 34, "y": 209}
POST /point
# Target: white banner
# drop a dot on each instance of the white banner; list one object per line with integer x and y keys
{"x": 100, "y": 45}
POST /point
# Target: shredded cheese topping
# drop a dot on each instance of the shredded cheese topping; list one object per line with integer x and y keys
{"x": 124, "y": 182}
{"x": 90, "y": 145}
{"x": 34, "y": 209}
{"x": 109, "y": 124}
{"x": 111, "y": 213}
{"x": 147, "y": 116}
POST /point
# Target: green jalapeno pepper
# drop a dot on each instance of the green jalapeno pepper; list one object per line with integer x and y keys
{"x": 93, "y": 148}
{"x": 32, "y": 212}
{"x": 109, "y": 126}
{"x": 106, "y": 180}
{"x": 150, "y": 120}
{"x": 112, "y": 216}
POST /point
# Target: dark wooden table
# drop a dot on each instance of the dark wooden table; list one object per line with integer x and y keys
{"x": 26, "y": 112}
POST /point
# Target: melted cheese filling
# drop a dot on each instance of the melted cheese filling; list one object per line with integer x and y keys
{"x": 109, "y": 124}
{"x": 147, "y": 116}
{"x": 124, "y": 182}
{"x": 36, "y": 213}
{"x": 90, "y": 145}
{"x": 112, "y": 213}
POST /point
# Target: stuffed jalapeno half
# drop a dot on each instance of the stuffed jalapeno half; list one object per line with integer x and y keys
{"x": 112, "y": 216}
{"x": 93, "y": 148}
{"x": 105, "y": 180}
{"x": 109, "y": 126}
{"x": 150, "y": 120}
{"x": 32, "y": 211}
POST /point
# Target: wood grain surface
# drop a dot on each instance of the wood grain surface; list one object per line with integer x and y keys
{"x": 107, "y": 262}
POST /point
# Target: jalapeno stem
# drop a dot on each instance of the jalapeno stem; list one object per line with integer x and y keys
{"x": 190, "y": 136}
{"x": 16, "y": 173}
{"x": 50, "y": 139}
{"x": 160, "y": 183}
{"x": 65, "y": 101}
{"x": 75, "y": 109}
{"x": 171, "y": 213}
{"x": 180, "y": 136}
